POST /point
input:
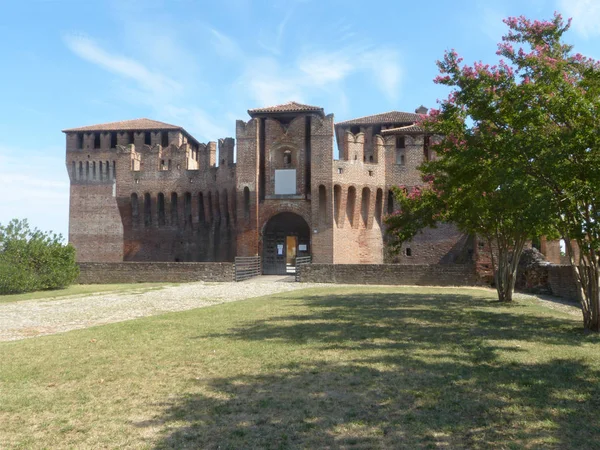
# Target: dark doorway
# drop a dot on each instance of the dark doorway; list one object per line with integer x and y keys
{"x": 286, "y": 237}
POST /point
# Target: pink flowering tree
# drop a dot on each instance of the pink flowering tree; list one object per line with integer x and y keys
{"x": 559, "y": 110}
{"x": 478, "y": 181}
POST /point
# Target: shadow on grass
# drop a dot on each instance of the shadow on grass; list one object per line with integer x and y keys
{"x": 403, "y": 371}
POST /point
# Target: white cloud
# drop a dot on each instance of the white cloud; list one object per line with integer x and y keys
{"x": 151, "y": 88}
{"x": 224, "y": 45}
{"x": 585, "y": 15}
{"x": 34, "y": 187}
{"x": 152, "y": 82}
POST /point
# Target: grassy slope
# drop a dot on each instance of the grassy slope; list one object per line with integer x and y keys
{"x": 338, "y": 367}
{"x": 81, "y": 289}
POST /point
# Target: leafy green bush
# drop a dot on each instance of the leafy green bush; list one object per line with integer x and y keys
{"x": 32, "y": 260}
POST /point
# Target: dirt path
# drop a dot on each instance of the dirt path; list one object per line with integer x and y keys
{"x": 30, "y": 318}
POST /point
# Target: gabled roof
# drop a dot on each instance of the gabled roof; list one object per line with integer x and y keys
{"x": 404, "y": 130}
{"x": 289, "y": 107}
{"x": 124, "y": 125}
{"x": 383, "y": 118}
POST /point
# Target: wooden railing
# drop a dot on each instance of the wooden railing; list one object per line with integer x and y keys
{"x": 300, "y": 260}
{"x": 247, "y": 267}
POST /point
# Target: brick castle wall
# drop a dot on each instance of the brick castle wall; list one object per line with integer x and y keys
{"x": 153, "y": 272}
{"x": 390, "y": 274}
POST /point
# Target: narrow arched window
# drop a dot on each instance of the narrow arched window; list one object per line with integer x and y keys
{"x": 379, "y": 206}
{"x": 174, "y": 212}
{"x": 107, "y": 170}
{"x": 337, "y": 201}
{"x": 390, "y": 202}
{"x": 187, "y": 209}
{"x": 114, "y": 170}
{"x": 100, "y": 169}
{"x": 147, "y": 210}
{"x": 211, "y": 215}
{"x": 80, "y": 170}
{"x": 135, "y": 209}
{"x": 201, "y": 217}
{"x": 246, "y": 203}
{"x": 73, "y": 170}
{"x": 350, "y": 205}
{"x": 322, "y": 205}
{"x": 87, "y": 170}
{"x": 365, "y": 204}
{"x": 225, "y": 207}
{"x": 161, "y": 209}
{"x": 217, "y": 208}
{"x": 94, "y": 170}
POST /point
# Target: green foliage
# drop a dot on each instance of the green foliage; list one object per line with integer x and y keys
{"x": 476, "y": 177}
{"x": 32, "y": 260}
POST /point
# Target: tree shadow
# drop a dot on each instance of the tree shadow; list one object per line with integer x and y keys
{"x": 416, "y": 371}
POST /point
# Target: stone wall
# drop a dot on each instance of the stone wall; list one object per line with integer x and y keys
{"x": 152, "y": 272}
{"x": 562, "y": 281}
{"x": 391, "y": 274}
{"x": 550, "y": 279}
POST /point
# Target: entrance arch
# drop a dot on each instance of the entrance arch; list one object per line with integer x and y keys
{"x": 285, "y": 237}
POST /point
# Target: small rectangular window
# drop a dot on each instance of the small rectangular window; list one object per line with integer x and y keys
{"x": 79, "y": 140}
{"x": 400, "y": 157}
{"x": 130, "y": 137}
{"x": 113, "y": 140}
{"x": 147, "y": 138}
{"x": 400, "y": 142}
{"x": 96, "y": 140}
{"x": 164, "y": 139}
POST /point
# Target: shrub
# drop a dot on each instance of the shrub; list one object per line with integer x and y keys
{"x": 32, "y": 260}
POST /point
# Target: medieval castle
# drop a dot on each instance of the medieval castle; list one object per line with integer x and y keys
{"x": 143, "y": 190}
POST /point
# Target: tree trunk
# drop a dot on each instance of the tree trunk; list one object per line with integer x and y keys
{"x": 586, "y": 272}
{"x": 505, "y": 274}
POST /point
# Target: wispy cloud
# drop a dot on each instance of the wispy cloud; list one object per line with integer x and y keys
{"x": 40, "y": 179}
{"x": 269, "y": 80}
{"x": 273, "y": 43}
{"x": 585, "y": 15}
{"x": 162, "y": 89}
{"x": 151, "y": 81}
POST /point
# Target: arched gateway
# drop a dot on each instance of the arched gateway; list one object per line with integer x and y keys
{"x": 285, "y": 237}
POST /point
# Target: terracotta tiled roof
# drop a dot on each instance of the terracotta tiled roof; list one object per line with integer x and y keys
{"x": 135, "y": 125}
{"x": 388, "y": 117}
{"x": 289, "y": 107}
{"x": 407, "y": 129}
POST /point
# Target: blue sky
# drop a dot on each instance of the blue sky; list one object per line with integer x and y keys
{"x": 202, "y": 64}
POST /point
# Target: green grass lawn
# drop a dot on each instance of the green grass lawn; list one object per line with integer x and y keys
{"x": 82, "y": 289}
{"x": 341, "y": 367}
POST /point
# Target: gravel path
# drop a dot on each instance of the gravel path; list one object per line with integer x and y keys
{"x": 30, "y": 318}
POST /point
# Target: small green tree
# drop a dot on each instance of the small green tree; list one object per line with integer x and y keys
{"x": 32, "y": 260}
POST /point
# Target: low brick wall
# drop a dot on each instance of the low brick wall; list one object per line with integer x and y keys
{"x": 550, "y": 279}
{"x": 392, "y": 274}
{"x": 562, "y": 281}
{"x": 150, "y": 272}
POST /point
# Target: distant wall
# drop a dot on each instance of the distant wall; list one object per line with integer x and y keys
{"x": 562, "y": 281}
{"x": 550, "y": 279}
{"x": 392, "y": 274}
{"x": 151, "y": 272}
